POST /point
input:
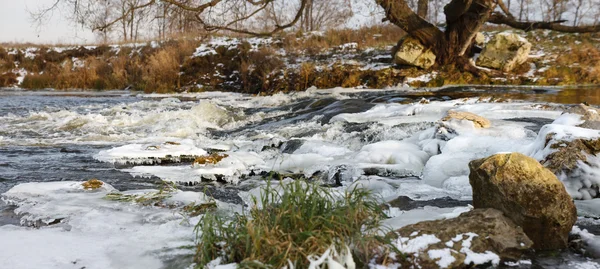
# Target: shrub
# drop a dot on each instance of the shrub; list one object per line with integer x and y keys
{"x": 8, "y": 79}
{"x": 301, "y": 220}
{"x": 162, "y": 74}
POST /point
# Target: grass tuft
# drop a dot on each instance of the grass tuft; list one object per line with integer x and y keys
{"x": 295, "y": 222}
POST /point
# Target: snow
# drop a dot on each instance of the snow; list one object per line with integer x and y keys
{"x": 422, "y": 78}
{"x": 444, "y": 255}
{"x": 415, "y": 244}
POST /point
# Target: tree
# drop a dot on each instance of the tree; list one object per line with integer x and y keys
{"x": 451, "y": 44}
{"x": 464, "y": 18}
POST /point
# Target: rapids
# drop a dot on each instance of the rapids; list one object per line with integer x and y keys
{"x": 383, "y": 140}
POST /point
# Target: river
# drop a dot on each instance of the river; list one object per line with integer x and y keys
{"x": 134, "y": 141}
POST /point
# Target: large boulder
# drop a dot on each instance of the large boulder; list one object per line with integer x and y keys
{"x": 455, "y": 243}
{"x": 411, "y": 52}
{"x": 478, "y": 121}
{"x": 526, "y": 192}
{"x": 505, "y": 51}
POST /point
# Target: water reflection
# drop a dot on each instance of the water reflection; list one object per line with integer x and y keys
{"x": 570, "y": 95}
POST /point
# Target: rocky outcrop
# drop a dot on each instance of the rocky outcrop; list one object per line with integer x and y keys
{"x": 410, "y": 51}
{"x": 527, "y": 193}
{"x": 505, "y": 51}
{"x": 453, "y": 243}
{"x": 478, "y": 121}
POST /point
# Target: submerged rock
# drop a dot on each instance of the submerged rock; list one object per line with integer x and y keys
{"x": 411, "y": 52}
{"x": 527, "y": 193}
{"x": 476, "y": 237}
{"x": 504, "y": 52}
{"x": 478, "y": 121}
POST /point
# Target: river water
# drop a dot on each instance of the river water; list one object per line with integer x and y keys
{"x": 340, "y": 136}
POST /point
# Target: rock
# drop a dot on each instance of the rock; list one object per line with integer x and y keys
{"x": 504, "y": 52}
{"x": 527, "y": 193}
{"x": 485, "y": 233}
{"x": 210, "y": 159}
{"x": 479, "y": 39}
{"x": 570, "y": 159}
{"x": 590, "y": 115}
{"x": 405, "y": 203}
{"x": 478, "y": 121}
{"x": 411, "y": 52}
{"x": 92, "y": 184}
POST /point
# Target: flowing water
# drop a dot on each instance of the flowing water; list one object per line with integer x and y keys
{"x": 340, "y": 136}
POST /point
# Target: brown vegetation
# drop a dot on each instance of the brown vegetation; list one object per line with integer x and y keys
{"x": 290, "y": 62}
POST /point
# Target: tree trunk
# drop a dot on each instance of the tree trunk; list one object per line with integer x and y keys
{"x": 423, "y": 8}
{"x": 464, "y": 19}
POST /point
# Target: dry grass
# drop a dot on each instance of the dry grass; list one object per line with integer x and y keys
{"x": 307, "y": 61}
{"x": 302, "y": 220}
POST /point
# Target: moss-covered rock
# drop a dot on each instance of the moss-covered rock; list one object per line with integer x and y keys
{"x": 526, "y": 192}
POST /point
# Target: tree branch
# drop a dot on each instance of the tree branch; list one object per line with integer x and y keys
{"x": 399, "y": 13}
{"x": 277, "y": 28}
{"x": 498, "y": 18}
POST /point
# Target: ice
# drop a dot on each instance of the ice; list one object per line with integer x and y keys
{"x": 591, "y": 241}
{"x": 583, "y": 182}
{"x": 93, "y": 232}
{"x": 228, "y": 169}
{"x": 588, "y": 208}
{"x": 150, "y": 153}
{"x": 405, "y": 158}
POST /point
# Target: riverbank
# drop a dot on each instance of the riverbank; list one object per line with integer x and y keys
{"x": 292, "y": 62}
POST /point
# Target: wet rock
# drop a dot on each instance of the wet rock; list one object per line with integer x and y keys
{"x": 527, "y": 193}
{"x": 590, "y": 116}
{"x": 291, "y": 145}
{"x": 478, "y": 121}
{"x": 66, "y": 150}
{"x": 411, "y": 52}
{"x": 405, "y": 203}
{"x": 480, "y": 232}
{"x": 505, "y": 51}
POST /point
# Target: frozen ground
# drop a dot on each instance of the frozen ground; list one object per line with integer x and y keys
{"x": 391, "y": 142}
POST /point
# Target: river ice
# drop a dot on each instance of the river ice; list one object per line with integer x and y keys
{"x": 393, "y": 149}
